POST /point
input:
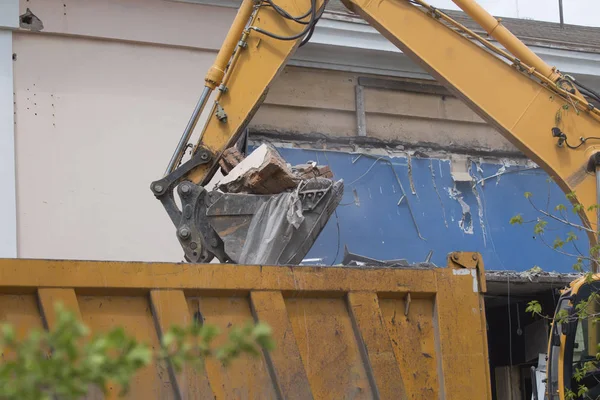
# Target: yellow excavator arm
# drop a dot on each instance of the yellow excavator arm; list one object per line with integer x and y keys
{"x": 541, "y": 111}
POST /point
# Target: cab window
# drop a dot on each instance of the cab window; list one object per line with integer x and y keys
{"x": 582, "y": 367}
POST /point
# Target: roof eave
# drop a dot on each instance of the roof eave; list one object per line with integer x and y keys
{"x": 341, "y": 41}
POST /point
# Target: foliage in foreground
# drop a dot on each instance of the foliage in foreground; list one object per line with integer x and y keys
{"x": 65, "y": 361}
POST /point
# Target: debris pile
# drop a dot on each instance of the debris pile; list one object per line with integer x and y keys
{"x": 535, "y": 274}
{"x": 264, "y": 171}
{"x": 357, "y": 260}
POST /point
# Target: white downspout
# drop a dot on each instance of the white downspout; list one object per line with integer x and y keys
{"x": 9, "y": 20}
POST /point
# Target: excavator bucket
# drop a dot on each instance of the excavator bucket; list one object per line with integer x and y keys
{"x": 265, "y": 212}
{"x": 273, "y": 229}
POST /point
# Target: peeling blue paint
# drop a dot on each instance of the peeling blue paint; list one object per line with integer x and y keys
{"x": 375, "y": 213}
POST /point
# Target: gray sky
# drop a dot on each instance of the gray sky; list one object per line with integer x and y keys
{"x": 577, "y": 12}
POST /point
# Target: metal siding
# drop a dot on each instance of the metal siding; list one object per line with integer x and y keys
{"x": 380, "y": 228}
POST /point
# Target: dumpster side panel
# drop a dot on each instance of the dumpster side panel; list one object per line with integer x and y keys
{"x": 341, "y": 332}
{"x": 413, "y": 338}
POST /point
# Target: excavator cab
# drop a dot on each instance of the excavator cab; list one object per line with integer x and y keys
{"x": 573, "y": 353}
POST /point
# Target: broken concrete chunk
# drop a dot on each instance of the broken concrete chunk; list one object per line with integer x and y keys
{"x": 312, "y": 170}
{"x": 229, "y": 159}
{"x": 264, "y": 171}
{"x": 459, "y": 169}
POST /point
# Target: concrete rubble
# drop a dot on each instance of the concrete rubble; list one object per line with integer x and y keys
{"x": 535, "y": 274}
{"x": 229, "y": 159}
{"x": 527, "y": 283}
{"x": 264, "y": 171}
{"x": 312, "y": 170}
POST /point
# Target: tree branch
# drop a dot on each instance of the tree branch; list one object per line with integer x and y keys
{"x": 565, "y": 253}
{"x": 564, "y": 221}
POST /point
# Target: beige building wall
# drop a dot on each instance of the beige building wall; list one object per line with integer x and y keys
{"x": 309, "y": 101}
{"x": 103, "y": 93}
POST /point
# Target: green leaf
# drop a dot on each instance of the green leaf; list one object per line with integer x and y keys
{"x": 561, "y": 316}
{"x": 579, "y": 374}
{"x": 534, "y": 307}
{"x": 178, "y": 331}
{"x": 262, "y": 336}
{"x": 589, "y": 277}
{"x": 528, "y": 195}
{"x": 582, "y": 390}
{"x": 140, "y": 356}
{"x": 168, "y": 339}
{"x": 571, "y": 195}
{"x": 558, "y": 243}
{"x": 209, "y": 332}
{"x": 262, "y": 330}
{"x": 577, "y": 208}
{"x": 116, "y": 338}
{"x": 538, "y": 229}
{"x": 560, "y": 207}
{"x": 517, "y": 219}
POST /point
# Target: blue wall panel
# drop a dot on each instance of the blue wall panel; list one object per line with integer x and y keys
{"x": 449, "y": 217}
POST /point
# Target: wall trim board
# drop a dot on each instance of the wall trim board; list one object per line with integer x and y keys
{"x": 9, "y": 20}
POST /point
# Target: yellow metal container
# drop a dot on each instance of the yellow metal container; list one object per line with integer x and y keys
{"x": 341, "y": 332}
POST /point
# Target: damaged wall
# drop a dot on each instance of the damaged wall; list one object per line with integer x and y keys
{"x": 306, "y": 101}
{"x": 399, "y": 206}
